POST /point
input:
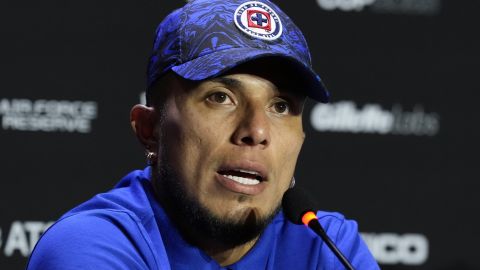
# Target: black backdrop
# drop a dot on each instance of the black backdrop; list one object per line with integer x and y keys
{"x": 395, "y": 149}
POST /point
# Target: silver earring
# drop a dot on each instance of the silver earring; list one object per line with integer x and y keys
{"x": 292, "y": 183}
{"x": 151, "y": 158}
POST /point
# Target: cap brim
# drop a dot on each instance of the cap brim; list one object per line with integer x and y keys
{"x": 214, "y": 64}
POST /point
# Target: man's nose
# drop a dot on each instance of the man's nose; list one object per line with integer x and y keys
{"x": 253, "y": 128}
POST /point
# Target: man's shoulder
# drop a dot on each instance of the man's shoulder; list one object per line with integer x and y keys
{"x": 111, "y": 229}
{"x": 343, "y": 232}
{"x": 93, "y": 239}
{"x": 332, "y": 222}
{"x": 125, "y": 207}
{"x": 335, "y": 223}
{"x": 132, "y": 195}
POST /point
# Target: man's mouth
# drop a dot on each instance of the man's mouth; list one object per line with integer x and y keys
{"x": 244, "y": 177}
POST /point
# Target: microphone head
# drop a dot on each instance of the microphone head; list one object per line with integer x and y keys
{"x": 296, "y": 202}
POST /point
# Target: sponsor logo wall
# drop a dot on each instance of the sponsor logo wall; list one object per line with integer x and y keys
{"x": 392, "y": 248}
{"x": 345, "y": 116}
{"x": 47, "y": 115}
{"x": 21, "y": 237}
{"x": 417, "y": 7}
{"x": 394, "y": 150}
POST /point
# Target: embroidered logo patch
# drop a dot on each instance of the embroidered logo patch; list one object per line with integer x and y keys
{"x": 258, "y": 20}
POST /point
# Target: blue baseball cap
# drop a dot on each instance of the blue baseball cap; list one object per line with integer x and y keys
{"x": 206, "y": 38}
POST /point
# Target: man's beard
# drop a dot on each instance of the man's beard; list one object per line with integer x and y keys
{"x": 192, "y": 214}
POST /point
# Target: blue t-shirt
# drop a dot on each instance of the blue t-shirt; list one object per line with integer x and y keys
{"x": 126, "y": 228}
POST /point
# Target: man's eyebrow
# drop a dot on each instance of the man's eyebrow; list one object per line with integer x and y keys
{"x": 229, "y": 82}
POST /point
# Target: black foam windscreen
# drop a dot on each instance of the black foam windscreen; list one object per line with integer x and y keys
{"x": 296, "y": 202}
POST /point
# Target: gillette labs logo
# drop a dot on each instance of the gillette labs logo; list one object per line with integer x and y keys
{"x": 346, "y": 116}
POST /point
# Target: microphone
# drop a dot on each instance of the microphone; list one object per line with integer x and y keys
{"x": 298, "y": 208}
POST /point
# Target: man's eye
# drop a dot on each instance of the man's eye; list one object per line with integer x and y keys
{"x": 281, "y": 107}
{"x": 220, "y": 97}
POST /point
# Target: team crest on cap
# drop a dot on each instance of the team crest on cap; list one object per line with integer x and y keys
{"x": 258, "y": 20}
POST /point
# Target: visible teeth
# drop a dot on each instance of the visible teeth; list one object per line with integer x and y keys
{"x": 250, "y": 172}
{"x": 242, "y": 180}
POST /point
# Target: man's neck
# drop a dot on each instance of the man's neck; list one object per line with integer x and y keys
{"x": 222, "y": 253}
{"x": 228, "y": 255}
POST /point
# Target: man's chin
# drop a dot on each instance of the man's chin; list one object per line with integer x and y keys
{"x": 191, "y": 216}
{"x": 239, "y": 228}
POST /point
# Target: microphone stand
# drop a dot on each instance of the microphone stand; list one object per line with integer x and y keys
{"x": 317, "y": 228}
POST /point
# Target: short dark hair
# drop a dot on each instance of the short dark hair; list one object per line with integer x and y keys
{"x": 157, "y": 93}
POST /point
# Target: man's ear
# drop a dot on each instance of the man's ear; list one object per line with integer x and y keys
{"x": 143, "y": 120}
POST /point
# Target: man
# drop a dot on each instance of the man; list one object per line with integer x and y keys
{"x": 222, "y": 129}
